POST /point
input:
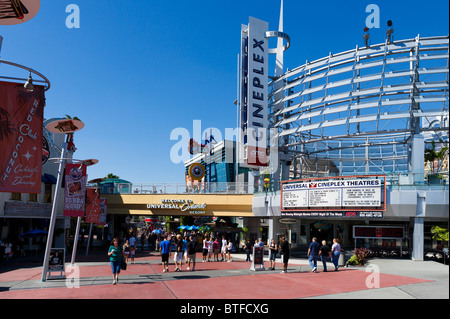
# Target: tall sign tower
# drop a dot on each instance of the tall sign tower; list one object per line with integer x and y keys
{"x": 254, "y": 93}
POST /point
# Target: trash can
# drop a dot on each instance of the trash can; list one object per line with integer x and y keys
{"x": 342, "y": 258}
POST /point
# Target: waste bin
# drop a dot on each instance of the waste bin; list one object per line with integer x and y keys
{"x": 342, "y": 258}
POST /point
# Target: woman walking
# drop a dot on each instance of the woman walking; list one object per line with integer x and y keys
{"x": 115, "y": 254}
{"x": 126, "y": 250}
{"x": 335, "y": 253}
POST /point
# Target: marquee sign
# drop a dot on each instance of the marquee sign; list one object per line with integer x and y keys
{"x": 356, "y": 193}
{"x": 383, "y": 232}
{"x": 333, "y": 214}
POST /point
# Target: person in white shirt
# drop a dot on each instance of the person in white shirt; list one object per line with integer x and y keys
{"x": 229, "y": 249}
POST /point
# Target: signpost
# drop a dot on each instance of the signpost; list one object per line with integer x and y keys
{"x": 258, "y": 258}
{"x": 56, "y": 263}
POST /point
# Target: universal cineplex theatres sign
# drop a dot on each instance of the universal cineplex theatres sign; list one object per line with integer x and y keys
{"x": 355, "y": 196}
{"x": 182, "y": 205}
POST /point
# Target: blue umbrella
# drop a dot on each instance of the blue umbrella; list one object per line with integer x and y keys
{"x": 34, "y": 233}
{"x": 157, "y": 231}
{"x": 181, "y": 227}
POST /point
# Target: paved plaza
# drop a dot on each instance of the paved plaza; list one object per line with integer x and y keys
{"x": 382, "y": 279}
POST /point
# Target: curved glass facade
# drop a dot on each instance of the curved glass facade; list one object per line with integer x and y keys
{"x": 355, "y": 112}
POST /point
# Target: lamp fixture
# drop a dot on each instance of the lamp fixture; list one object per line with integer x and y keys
{"x": 29, "y": 84}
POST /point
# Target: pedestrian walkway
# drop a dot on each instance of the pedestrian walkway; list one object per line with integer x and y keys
{"x": 144, "y": 279}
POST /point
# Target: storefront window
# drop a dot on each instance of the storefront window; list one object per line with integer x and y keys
{"x": 16, "y": 196}
{"x": 32, "y": 198}
{"x": 48, "y": 193}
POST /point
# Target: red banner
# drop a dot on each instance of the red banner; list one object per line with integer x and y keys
{"x": 93, "y": 205}
{"x": 21, "y": 125}
{"x": 103, "y": 206}
{"x": 75, "y": 190}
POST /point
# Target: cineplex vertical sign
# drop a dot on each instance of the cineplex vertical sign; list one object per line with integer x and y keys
{"x": 254, "y": 90}
{"x": 21, "y": 118}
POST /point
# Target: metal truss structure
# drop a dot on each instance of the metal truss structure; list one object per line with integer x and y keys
{"x": 355, "y": 111}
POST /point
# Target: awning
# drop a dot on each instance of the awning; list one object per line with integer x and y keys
{"x": 48, "y": 179}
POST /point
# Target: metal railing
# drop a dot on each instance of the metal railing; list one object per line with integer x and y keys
{"x": 202, "y": 188}
{"x": 394, "y": 181}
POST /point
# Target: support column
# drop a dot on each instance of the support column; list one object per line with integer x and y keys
{"x": 418, "y": 233}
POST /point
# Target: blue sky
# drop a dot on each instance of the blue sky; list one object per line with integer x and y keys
{"x": 136, "y": 70}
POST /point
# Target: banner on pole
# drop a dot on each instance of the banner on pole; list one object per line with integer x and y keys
{"x": 93, "y": 205}
{"x": 21, "y": 125}
{"x": 75, "y": 190}
{"x": 103, "y": 206}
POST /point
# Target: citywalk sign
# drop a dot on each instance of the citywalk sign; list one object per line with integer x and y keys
{"x": 182, "y": 205}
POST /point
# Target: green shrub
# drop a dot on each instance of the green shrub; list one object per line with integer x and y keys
{"x": 359, "y": 257}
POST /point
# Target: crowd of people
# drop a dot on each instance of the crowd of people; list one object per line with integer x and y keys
{"x": 184, "y": 249}
{"x": 187, "y": 247}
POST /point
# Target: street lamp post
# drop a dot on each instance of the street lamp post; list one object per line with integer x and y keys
{"x": 53, "y": 215}
{"x": 66, "y": 126}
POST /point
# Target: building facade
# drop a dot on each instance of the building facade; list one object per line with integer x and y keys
{"x": 22, "y": 212}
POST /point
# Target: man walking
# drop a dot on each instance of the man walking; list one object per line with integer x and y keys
{"x": 324, "y": 253}
{"x": 165, "y": 253}
{"x": 284, "y": 252}
{"x": 313, "y": 253}
{"x": 191, "y": 250}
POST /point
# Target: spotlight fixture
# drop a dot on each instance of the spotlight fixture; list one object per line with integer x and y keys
{"x": 389, "y": 31}
{"x": 29, "y": 85}
{"x": 366, "y": 36}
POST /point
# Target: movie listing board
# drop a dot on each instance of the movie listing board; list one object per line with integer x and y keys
{"x": 332, "y": 193}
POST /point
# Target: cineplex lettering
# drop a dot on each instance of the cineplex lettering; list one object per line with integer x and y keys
{"x": 257, "y": 83}
{"x": 25, "y": 131}
{"x": 179, "y": 204}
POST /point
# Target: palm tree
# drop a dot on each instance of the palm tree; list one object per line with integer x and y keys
{"x": 6, "y": 128}
{"x": 431, "y": 154}
{"x": 111, "y": 176}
